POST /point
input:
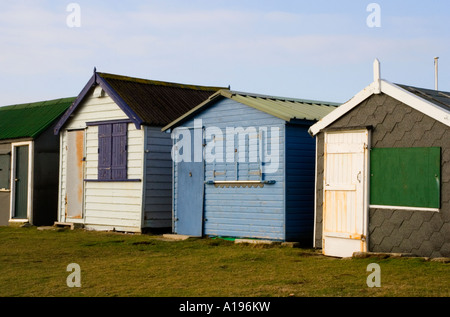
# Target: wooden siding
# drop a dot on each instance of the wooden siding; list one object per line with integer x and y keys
{"x": 5, "y": 197}
{"x": 106, "y": 204}
{"x": 300, "y": 162}
{"x": 45, "y": 178}
{"x": 158, "y": 179}
{"x": 242, "y": 212}
{"x": 5, "y": 192}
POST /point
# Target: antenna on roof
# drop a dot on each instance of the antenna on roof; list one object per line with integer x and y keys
{"x": 436, "y": 73}
{"x": 95, "y": 69}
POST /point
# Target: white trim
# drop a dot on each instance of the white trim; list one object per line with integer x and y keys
{"x": 377, "y": 76}
{"x": 366, "y": 216}
{"x": 95, "y": 227}
{"x": 343, "y": 109}
{"x": 404, "y": 208}
{"x": 392, "y": 90}
{"x": 315, "y": 193}
{"x": 376, "y": 70}
{"x": 30, "y": 182}
{"x": 173, "y": 185}
{"x": 284, "y": 178}
{"x": 416, "y": 102}
{"x": 83, "y": 211}
{"x": 59, "y": 216}
{"x": 145, "y": 151}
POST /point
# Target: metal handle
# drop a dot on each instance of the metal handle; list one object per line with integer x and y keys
{"x": 358, "y": 177}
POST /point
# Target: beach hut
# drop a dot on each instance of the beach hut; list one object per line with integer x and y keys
{"x": 244, "y": 167}
{"x": 383, "y": 172}
{"x": 29, "y": 157}
{"x": 115, "y": 168}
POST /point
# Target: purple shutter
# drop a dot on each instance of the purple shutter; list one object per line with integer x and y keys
{"x": 119, "y": 151}
{"x": 104, "y": 151}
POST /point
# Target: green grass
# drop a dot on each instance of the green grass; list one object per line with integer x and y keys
{"x": 33, "y": 263}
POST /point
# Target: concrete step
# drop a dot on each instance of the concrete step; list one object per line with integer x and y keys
{"x": 179, "y": 237}
{"x": 70, "y": 225}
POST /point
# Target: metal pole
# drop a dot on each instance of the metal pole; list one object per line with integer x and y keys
{"x": 436, "y": 73}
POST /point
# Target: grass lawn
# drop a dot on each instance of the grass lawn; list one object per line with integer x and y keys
{"x": 33, "y": 264}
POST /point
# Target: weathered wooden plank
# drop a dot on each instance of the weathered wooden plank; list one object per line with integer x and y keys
{"x": 158, "y": 208}
{"x": 155, "y": 215}
{"x": 160, "y": 163}
{"x": 167, "y": 192}
{"x": 158, "y": 200}
{"x": 136, "y": 209}
{"x": 112, "y": 222}
{"x": 159, "y": 186}
{"x": 117, "y": 215}
{"x": 130, "y": 193}
{"x": 109, "y": 186}
{"x": 112, "y": 200}
{"x": 158, "y": 223}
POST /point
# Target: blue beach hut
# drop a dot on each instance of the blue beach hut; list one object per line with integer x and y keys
{"x": 243, "y": 166}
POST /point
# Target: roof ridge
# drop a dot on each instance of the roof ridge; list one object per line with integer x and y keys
{"x": 422, "y": 88}
{"x": 299, "y": 100}
{"x": 428, "y": 94}
{"x": 36, "y": 104}
{"x": 157, "y": 82}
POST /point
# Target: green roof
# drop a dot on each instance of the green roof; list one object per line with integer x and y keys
{"x": 287, "y": 109}
{"x": 31, "y": 119}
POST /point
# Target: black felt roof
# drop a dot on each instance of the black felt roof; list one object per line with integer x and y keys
{"x": 439, "y": 98}
{"x": 158, "y": 103}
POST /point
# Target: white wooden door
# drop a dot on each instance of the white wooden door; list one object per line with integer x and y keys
{"x": 345, "y": 188}
{"x": 75, "y": 174}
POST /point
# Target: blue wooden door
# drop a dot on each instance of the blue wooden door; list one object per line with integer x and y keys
{"x": 190, "y": 177}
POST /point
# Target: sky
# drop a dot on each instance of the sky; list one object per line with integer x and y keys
{"x": 320, "y": 50}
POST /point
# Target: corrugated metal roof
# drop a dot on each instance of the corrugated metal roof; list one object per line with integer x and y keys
{"x": 155, "y": 102}
{"x": 287, "y": 109}
{"x": 439, "y": 98}
{"x": 31, "y": 119}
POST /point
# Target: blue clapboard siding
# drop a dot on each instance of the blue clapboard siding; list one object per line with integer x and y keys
{"x": 241, "y": 212}
{"x": 300, "y": 166}
{"x": 158, "y": 184}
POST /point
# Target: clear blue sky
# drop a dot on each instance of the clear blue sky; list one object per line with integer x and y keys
{"x": 306, "y": 49}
